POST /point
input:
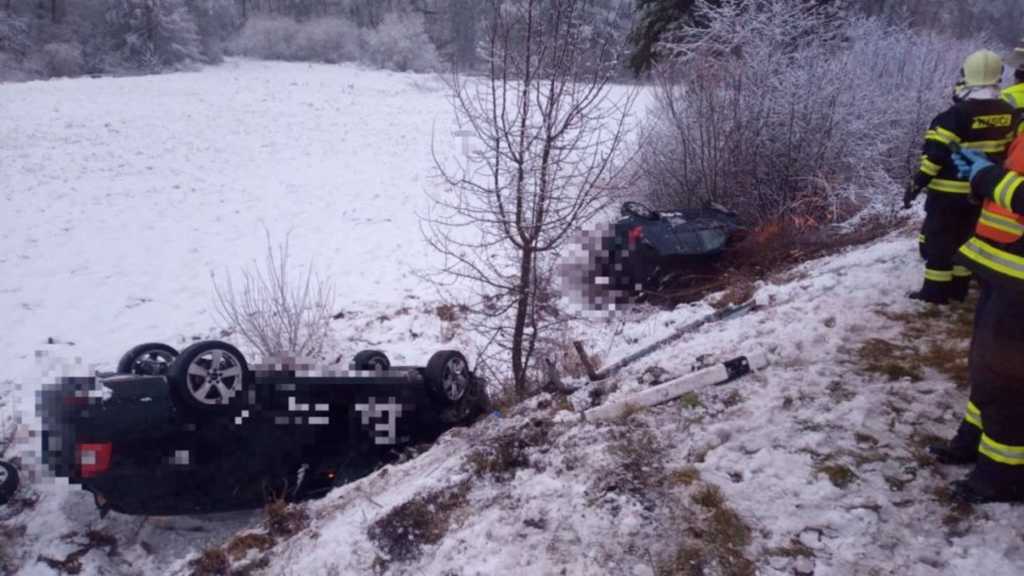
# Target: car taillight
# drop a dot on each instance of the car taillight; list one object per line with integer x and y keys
{"x": 93, "y": 459}
{"x": 635, "y": 235}
{"x": 76, "y": 401}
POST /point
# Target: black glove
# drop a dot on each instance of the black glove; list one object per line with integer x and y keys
{"x": 911, "y": 194}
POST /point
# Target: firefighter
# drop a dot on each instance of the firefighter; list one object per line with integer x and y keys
{"x": 982, "y": 121}
{"x": 991, "y": 436}
{"x": 959, "y": 91}
{"x": 1015, "y": 93}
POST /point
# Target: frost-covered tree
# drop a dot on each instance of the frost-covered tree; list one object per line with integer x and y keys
{"x": 216, "y": 21}
{"x": 653, "y": 19}
{"x": 152, "y": 34}
{"x": 401, "y": 43}
{"x": 788, "y": 111}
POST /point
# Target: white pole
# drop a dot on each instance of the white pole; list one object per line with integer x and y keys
{"x": 718, "y": 374}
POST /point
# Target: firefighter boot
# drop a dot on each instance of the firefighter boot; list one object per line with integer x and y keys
{"x": 991, "y": 481}
{"x": 933, "y": 292}
{"x": 961, "y": 285}
{"x": 961, "y": 450}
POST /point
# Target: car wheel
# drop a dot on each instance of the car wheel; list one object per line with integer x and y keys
{"x": 150, "y": 359}
{"x": 8, "y": 482}
{"x": 370, "y": 360}
{"x": 448, "y": 376}
{"x": 209, "y": 375}
{"x": 474, "y": 404}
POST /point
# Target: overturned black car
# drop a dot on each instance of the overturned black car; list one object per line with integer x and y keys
{"x": 203, "y": 431}
{"x": 649, "y": 250}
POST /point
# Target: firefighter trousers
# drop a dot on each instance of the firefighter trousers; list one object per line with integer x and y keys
{"x": 994, "y": 420}
{"x": 950, "y": 221}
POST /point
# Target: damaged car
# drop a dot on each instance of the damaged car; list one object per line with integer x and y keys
{"x": 647, "y": 250}
{"x": 204, "y": 431}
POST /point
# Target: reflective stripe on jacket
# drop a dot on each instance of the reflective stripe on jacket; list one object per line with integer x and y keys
{"x": 996, "y": 251}
{"x": 985, "y": 125}
{"x": 1015, "y": 96}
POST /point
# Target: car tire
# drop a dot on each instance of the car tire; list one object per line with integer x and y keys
{"x": 209, "y": 376}
{"x": 448, "y": 376}
{"x": 150, "y": 359}
{"x": 474, "y": 404}
{"x": 8, "y": 482}
{"x": 370, "y": 360}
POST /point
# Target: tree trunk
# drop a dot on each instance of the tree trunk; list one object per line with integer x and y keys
{"x": 523, "y": 297}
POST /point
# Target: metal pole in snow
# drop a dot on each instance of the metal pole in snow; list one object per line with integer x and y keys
{"x": 717, "y": 316}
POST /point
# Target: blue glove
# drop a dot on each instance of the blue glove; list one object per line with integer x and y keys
{"x": 970, "y": 162}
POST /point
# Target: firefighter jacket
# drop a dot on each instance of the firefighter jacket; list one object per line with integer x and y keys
{"x": 996, "y": 251}
{"x": 985, "y": 125}
{"x": 1015, "y": 96}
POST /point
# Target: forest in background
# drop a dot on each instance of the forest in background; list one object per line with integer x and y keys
{"x": 53, "y": 38}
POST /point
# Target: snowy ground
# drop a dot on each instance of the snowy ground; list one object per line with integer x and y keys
{"x": 120, "y": 196}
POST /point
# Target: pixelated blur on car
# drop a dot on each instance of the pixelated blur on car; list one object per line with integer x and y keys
{"x": 645, "y": 251}
{"x": 203, "y": 431}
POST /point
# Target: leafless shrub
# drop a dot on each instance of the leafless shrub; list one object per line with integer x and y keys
{"x": 275, "y": 313}
{"x": 794, "y": 113}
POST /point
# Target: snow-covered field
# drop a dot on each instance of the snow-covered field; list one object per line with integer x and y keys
{"x": 120, "y": 196}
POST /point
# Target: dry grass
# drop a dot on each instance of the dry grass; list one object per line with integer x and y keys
{"x": 716, "y": 545}
{"x": 401, "y": 533}
{"x": 499, "y": 458}
{"x": 839, "y": 475}
{"x": 795, "y": 549}
{"x": 691, "y": 400}
{"x": 72, "y": 563}
{"x": 938, "y": 338}
{"x": 8, "y": 536}
{"x": 708, "y": 497}
{"x": 638, "y": 469}
{"x": 684, "y": 476}
{"x": 958, "y": 516}
{"x": 284, "y": 520}
{"x": 893, "y": 361}
{"x": 239, "y": 546}
{"x": 212, "y": 562}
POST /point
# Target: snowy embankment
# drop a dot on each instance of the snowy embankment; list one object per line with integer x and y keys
{"x": 120, "y": 196}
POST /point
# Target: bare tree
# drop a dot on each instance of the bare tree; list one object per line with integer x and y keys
{"x": 272, "y": 312}
{"x": 550, "y": 131}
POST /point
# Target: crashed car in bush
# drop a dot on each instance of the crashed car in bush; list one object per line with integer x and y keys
{"x": 8, "y": 481}
{"x": 203, "y": 431}
{"x": 646, "y": 249}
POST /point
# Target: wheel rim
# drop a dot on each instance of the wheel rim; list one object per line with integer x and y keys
{"x": 3, "y": 475}
{"x": 378, "y": 363}
{"x": 152, "y": 362}
{"x": 455, "y": 379}
{"x": 214, "y": 377}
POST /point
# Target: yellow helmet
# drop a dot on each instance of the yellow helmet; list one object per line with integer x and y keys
{"x": 983, "y": 68}
{"x": 1016, "y": 58}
